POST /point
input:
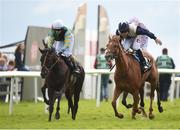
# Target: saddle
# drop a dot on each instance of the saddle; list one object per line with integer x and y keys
{"x": 137, "y": 58}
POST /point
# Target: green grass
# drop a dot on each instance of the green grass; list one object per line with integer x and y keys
{"x": 31, "y": 115}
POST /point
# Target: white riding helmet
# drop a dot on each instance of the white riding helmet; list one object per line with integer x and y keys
{"x": 58, "y": 24}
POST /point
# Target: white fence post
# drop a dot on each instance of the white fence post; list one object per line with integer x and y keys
{"x": 177, "y": 89}
{"x": 35, "y": 89}
{"x": 11, "y": 96}
{"x": 172, "y": 87}
{"x": 98, "y": 91}
{"x": 16, "y": 89}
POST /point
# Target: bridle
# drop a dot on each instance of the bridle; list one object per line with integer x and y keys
{"x": 109, "y": 54}
{"x": 52, "y": 66}
{"x": 113, "y": 55}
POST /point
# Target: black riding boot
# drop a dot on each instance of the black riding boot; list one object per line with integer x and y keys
{"x": 145, "y": 65}
{"x": 71, "y": 65}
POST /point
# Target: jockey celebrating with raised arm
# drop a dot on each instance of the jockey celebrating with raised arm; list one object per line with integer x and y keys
{"x": 132, "y": 33}
{"x": 62, "y": 40}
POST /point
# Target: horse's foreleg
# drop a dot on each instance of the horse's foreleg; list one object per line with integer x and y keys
{"x": 124, "y": 100}
{"x": 135, "y": 104}
{"x": 117, "y": 92}
{"x": 57, "y": 115}
{"x": 142, "y": 101}
{"x": 43, "y": 90}
{"x": 51, "y": 102}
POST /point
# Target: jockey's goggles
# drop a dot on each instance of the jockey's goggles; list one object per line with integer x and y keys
{"x": 124, "y": 31}
{"x": 57, "y": 29}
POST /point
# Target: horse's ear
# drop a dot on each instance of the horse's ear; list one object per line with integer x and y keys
{"x": 45, "y": 45}
{"x": 41, "y": 50}
{"x": 118, "y": 37}
{"x": 109, "y": 37}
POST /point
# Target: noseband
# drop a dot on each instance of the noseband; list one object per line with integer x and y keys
{"x": 110, "y": 55}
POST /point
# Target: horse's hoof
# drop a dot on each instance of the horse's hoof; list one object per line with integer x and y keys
{"x": 73, "y": 117}
{"x": 120, "y": 115}
{"x": 151, "y": 116}
{"x": 133, "y": 117}
{"x": 139, "y": 111}
{"x": 46, "y": 101}
{"x": 129, "y": 106}
{"x": 160, "y": 109}
{"x": 57, "y": 116}
{"x": 144, "y": 114}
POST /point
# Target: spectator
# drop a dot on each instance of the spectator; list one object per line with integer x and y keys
{"x": 166, "y": 62}
{"x": 11, "y": 65}
{"x": 101, "y": 63}
{"x": 3, "y": 66}
{"x": 5, "y": 58}
{"x": 19, "y": 56}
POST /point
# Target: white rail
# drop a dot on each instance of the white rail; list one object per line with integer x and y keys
{"x": 35, "y": 74}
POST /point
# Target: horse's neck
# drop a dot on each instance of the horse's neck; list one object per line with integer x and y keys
{"x": 60, "y": 68}
{"x": 122, "y": 63}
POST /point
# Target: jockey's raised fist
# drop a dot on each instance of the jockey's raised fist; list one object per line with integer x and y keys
{"x": 158, "y": 41}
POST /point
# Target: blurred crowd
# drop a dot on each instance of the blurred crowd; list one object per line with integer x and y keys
{"x": 13, "y": 64}
{"x": 5, "y": 63}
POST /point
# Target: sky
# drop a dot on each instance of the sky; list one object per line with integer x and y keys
{"x": 162, "y": 17}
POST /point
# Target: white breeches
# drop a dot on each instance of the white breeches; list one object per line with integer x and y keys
{"x": 139, "y": 42}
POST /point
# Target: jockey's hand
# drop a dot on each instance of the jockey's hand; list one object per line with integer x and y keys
{"x": 158, "y": 41}
{"x": 62, "y": 54}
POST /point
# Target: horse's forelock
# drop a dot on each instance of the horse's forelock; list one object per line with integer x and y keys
{"x": 114, "y": 39}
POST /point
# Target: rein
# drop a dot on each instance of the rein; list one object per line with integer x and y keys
{"x": 115, "y": 56}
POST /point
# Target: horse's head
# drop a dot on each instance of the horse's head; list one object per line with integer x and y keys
{"x": 113, "y": 48}
{"x": 48, "y": 61}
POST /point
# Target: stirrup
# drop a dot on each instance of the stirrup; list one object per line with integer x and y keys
{"x": 76, "y": 71}
{"x": 146, "y": 68}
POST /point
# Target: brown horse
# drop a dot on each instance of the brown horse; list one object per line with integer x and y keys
{"x": 58, "y": 79}
{"x": 128, "y": 76}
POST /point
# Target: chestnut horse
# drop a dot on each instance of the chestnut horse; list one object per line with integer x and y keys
{"x": 59, "y": 80}
{"x": 129, "y": 78}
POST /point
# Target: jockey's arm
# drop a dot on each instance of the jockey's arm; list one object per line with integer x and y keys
{"x": 68, "y": 42}
{"x": 142, "y": 31}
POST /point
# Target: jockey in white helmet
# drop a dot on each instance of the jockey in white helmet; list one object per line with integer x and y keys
{"x": 131, "y": 35}
{"x": 62, "y": 40}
